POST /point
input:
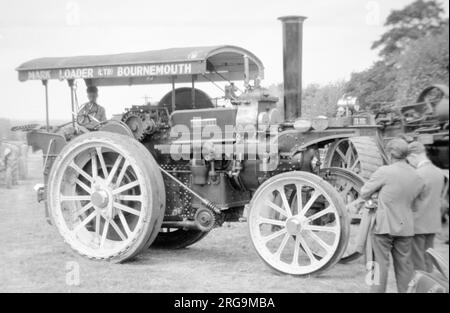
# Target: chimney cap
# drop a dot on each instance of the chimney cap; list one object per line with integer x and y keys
{"x": 292, "y": 18}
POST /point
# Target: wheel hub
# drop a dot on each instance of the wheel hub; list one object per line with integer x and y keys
{"x": 294, "y": 225}
{"x": 100, "y": 198}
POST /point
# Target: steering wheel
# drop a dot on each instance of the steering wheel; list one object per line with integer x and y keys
{"x": 83, "y": 119}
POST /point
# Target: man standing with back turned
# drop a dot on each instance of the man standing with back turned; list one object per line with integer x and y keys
{"x": 427, "y": 220}
{"x": 398, "y": 187}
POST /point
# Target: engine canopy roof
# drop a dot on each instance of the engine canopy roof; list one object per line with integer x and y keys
{"x": 215, "y": 63}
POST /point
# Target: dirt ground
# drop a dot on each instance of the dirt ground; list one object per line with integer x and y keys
{"x": 33, "y": 258}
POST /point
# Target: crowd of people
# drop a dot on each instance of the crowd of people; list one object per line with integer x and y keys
{"x": 408, "y": 214}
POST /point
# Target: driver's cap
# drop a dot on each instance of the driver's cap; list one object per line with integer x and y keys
{"x": 92, "y": 89}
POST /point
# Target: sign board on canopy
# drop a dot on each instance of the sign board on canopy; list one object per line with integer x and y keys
{"x": 167, "y": 69}
{"x": 157, "y": 66}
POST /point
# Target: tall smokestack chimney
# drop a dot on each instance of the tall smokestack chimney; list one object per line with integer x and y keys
{"x": 292, "y": 65}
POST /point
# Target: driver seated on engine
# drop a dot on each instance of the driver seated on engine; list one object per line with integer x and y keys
{"x": 91, "y": 113}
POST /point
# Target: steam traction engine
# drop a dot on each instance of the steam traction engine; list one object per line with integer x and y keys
{"x": 426, "y": 121}
{"x": 166, "y": 175}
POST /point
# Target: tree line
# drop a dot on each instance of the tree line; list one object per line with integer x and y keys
{"x": 413, "y": 53}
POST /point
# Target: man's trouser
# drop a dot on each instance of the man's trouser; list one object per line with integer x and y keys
{"x": 400, "y": 248}
{"x": 421, "y": 243}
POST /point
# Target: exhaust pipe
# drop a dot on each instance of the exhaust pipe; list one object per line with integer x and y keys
{"x": 292, "y": 65}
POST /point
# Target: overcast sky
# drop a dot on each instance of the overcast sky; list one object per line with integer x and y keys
{"x": 337, "y": 40}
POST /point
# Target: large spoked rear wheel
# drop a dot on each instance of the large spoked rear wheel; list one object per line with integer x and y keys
{"x": 360, "y": 155}
{"x": 103, "y": 196}
{"x": 302, "y": 237}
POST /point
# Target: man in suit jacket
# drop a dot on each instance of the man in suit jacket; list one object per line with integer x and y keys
{"x": 398, "y": 187}
{"x": 427, "y": 219}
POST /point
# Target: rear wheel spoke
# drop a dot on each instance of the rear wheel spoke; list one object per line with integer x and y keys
{"x": 97, "y": 226}
{"x": 118, "y": 230}
{"x": 84, "y": 186}
{"x": 80, "y": 171}
{"x": 94, "y": 165}
{"x": 114, "y": 169}
{"x": 126, "y": 187}
{"x": 104, "y": 234}
{"x": 130, "y": 198}
{"x": 63, "y": 198}
{"x": 85, "y": 222}
{"x": 83, "y": 209}
{"x": 341, "y": 154}
{"x": 102, "y": 162}
{"x": 126, "y": 208}
{"x": 122, "y": 172}
{"x": 354, "y": 164}
{"x": 124, "y": 222}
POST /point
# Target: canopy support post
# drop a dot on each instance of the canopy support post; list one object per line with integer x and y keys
{"x": 47, "y": 120}
{"x": 193, "y": 91}
{"x": 173, "y": 94}
{"x": 246, "y": 72}
{"x": 72, "y": 100}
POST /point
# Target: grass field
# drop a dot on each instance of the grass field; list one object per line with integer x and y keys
{"x": 33, "y": 258}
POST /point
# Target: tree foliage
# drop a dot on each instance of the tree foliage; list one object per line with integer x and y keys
{"x": 375, "y": 84}
{"x": 419, "y": 19}
{"x": 424, "y": 63}
{"x": 316, "y": 99}
{"x": 414, "y": 54}
{"x": 321, "y": 100}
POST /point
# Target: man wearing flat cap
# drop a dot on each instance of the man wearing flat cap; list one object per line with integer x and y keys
{"x": 427, "y": 219}
{"x": 91, "y": 113}
{"x": 398, "y": 187}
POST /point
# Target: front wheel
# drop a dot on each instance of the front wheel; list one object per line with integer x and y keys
{"x": 301, "y": 237}
{"x": 103, "y": 196}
